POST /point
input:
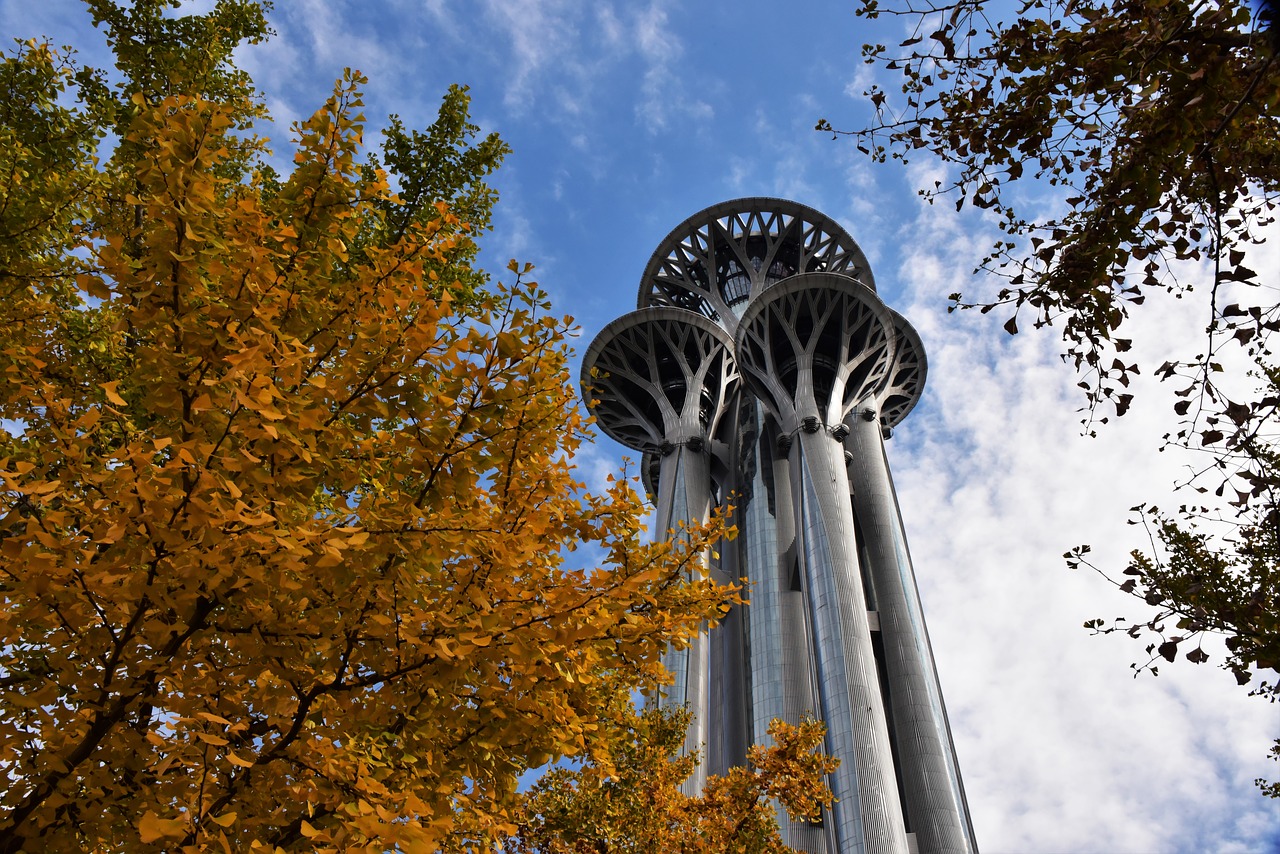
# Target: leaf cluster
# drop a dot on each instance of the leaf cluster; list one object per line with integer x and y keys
{"x": 1201, "y": 585}
{"x": 633, "y": 801}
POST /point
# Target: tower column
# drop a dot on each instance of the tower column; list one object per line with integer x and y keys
{"x": 778, "y": 647}
{"x": 811, "y": 348}
{"x": 935, "y": 803}
{"x": 659, "y": 382}
{"x": 684, "y": 495}
{"x": 799, "y": 676}
{"x": 868, "y": 814}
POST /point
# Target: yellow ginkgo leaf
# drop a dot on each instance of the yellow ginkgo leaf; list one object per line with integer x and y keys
{"x": 152, "y": 828}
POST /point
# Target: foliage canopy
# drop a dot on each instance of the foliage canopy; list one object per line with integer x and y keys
{"x": 288, "y": 486}
{"x": 1159, "y": 122}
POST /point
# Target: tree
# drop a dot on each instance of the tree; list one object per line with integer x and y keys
{"x": 632, "y": 802}
{"x": 288, "y": 485}
{"x": 1086, "y": 97}
{"x": 1156, "y": 127}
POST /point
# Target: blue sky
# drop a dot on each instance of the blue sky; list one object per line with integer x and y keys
{"x": 626, "y": 118}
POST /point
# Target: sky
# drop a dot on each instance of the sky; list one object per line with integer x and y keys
{"x": 627, "y": 117}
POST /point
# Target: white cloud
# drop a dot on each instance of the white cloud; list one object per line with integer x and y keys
{"x": 664, "y": 97}
{"x": 1061, "y": 748}
{"x": 438, "y": 10}
{"x": 611, "y": 29}
{"x": 539, "y": 34}
{"x": 863, "y": 77}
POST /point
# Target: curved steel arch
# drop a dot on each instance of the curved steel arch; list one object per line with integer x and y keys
{"x": 817, "y": 344}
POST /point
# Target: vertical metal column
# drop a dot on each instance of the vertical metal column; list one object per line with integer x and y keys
{"x": 778, "y": 649}
{"x": 868, "y": 815}
{"x": 934, "y": 798}
{"x": 684, "y": 496}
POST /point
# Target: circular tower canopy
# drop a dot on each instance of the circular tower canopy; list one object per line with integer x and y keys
{"x": 659, "y": 375}
{"x": 906, "y": 378}
{"x": 715, "y": 261}
{"x": 816, "y": 345}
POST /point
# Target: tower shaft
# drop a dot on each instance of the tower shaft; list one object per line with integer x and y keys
{"x": 684, "y": 497}
{"x": 762, "y": 362}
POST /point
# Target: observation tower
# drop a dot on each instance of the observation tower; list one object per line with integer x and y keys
{"x": 761, "y": 362}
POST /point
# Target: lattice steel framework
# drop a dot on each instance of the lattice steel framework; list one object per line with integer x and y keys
{"x": 906, "y": 380}
{"x": 717, "y": 260}
{"x": 781, "y": 294}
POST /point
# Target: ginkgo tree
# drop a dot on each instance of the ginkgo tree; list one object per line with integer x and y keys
{"x": 633, "y": 803}
{"x": 288, "y": 497}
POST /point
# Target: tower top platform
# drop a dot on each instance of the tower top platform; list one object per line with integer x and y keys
{"x": 720, "y": 258}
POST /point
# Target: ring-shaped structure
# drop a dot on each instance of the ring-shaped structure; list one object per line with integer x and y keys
{"x": 720, "y": 258}
{"x": 905, "y": 382}
{"x": 659, "y": 376}
{"x": 816, "y": 344}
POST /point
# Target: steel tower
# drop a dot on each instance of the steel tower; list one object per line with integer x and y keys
{"x": 761, "y": 361}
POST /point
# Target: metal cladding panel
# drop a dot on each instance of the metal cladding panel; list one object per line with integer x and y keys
{"x": 868, "y": 814}
{"x": 758, "y": 544}
{"x": 935, "y": 803}
{"x": 727, "y": 701}
{"x": 800, "y": 677}
{"x": 685, "y": 496}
